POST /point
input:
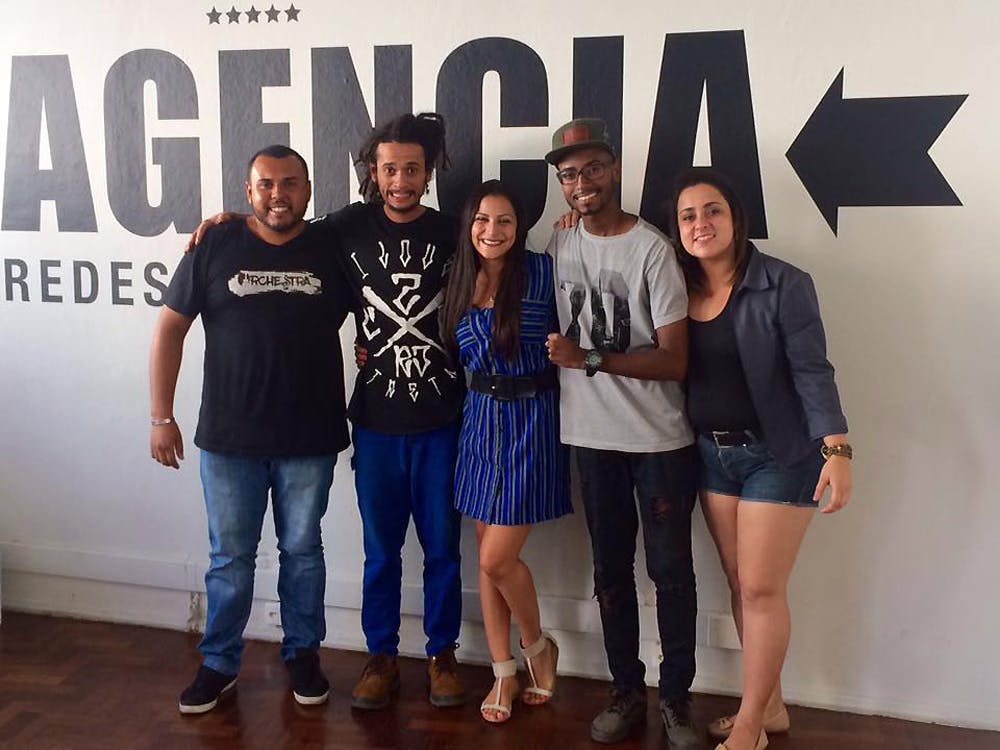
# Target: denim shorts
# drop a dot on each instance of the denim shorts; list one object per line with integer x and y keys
{"x": 750, "y": 472}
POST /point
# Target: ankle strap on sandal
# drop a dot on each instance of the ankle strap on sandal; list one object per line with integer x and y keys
{"x": 505, "y": 668}
{"x": 530, "y": 652}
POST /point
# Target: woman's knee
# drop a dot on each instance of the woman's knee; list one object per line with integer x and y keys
{"x": 760, "y": 593}
{"x": 497, "y": 567}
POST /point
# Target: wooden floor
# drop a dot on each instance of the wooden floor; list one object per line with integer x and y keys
{"x": 72, "y": 684}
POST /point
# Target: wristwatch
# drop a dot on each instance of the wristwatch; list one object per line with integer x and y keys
{"x": 844, "y": 449}
{"x": 592, "y": 362}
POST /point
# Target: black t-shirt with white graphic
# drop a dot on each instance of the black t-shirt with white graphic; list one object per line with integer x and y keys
{"x": 408, "y": 384}
{"x": 274, "y": 373}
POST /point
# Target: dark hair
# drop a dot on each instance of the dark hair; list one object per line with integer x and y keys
{"x": 277, "y": 151}
{"x": 465, "y": 267}
{"x": 425, "y": 129}
{"x": 694, "y": 274}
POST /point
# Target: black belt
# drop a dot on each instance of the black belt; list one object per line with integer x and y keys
{"x": 732, "y": 438}
{"x": 513, "y": 387}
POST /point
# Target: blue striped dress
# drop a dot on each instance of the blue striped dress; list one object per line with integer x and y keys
{"x": 511, "y": 467}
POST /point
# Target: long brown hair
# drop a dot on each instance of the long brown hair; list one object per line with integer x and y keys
{"x": 694, "y": 274}
{"x": 465, "y": 267}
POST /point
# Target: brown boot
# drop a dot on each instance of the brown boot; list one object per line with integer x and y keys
{"x": 378, "y": 684}
{"x": 445, "y": 687}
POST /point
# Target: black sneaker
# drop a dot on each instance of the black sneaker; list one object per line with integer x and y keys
{"x": 676, "y": 715}
{"x": 309, "y": 686}
{"x": 205, "y": 692}
{"x": 626, "y": 713}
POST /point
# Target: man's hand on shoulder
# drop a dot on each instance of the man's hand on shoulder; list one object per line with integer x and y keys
{"x": 198, "y": 234}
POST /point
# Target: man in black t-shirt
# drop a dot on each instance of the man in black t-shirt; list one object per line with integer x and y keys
{"x": 272, "y": 419}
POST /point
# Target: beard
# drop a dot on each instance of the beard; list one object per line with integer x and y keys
{"x": 283, "y": 222}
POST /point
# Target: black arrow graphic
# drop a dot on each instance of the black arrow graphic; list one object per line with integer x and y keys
{"x": 873, "y": 152}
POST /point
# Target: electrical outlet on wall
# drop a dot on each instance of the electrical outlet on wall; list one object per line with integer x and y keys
{"x": 196, "y": 612}
{"x": 722, "y": 632}
{"x": 272, "y": 613}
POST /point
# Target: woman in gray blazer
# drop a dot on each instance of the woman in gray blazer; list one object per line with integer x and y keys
{"x": 771, "y": 434}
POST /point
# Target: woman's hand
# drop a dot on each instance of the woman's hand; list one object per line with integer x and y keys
{"x": 836, "y": 475}
{"x": 360, "y": 355}
{"x": 567, "y": 221}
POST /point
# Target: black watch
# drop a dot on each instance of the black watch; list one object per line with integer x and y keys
{"x": 592, "y": 362}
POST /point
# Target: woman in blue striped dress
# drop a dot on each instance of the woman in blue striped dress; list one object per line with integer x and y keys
{"x": 512, "y": 471}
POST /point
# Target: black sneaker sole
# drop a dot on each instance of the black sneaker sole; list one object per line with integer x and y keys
{"x": 204, "y": 708}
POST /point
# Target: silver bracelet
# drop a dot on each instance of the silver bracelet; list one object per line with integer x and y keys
{"x": 160, "y": 422}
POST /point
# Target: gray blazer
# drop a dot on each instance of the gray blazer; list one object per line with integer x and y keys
{"x": 782, "y": 347}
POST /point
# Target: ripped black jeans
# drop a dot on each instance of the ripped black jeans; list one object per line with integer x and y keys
{"x": 664, "y": 484}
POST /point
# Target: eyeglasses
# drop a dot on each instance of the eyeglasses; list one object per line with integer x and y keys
{"x": 593, "y": 171}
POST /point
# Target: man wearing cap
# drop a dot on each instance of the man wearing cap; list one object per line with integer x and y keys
{"x": 622, "y": 308}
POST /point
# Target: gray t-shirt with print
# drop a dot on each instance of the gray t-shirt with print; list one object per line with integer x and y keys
{"x": 612, "y": 293}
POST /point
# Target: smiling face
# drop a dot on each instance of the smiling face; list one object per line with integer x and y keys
{"x": 401, "y": 174}
{"x": 494, "y": 227}
{"x": 590, "y": 193}
{"x": 278, "y": 191}
{"x": 705, "y": 224}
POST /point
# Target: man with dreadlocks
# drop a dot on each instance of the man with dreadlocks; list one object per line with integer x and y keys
{"x": 407, "y": 402}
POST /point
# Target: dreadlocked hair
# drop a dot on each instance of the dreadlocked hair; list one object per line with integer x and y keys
{"x": 425, "y": 129}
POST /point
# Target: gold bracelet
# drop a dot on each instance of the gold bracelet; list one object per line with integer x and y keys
{"x": 159, "y": 422}
{"x": 843, "y": 449}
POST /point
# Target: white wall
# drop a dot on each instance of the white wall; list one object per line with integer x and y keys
{"x": 894, "y": 600}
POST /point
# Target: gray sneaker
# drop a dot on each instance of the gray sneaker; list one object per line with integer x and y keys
{"x": 626, "y": 713}
{"x": 677, "y": 724}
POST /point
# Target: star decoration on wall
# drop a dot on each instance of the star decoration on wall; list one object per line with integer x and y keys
{"x": 253, "y": 15}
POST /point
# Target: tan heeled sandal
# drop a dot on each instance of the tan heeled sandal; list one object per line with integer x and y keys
{"x": 540, "y": 695}
{"x": 761, "y": 742}
{"x": 501, "y": 670}
{"x": 778, "y": 723}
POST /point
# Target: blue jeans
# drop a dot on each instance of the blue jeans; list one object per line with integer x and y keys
{"x": 236, "y": 490}
{"x": 664, "y": 484}
{"x": 398, "y": 476}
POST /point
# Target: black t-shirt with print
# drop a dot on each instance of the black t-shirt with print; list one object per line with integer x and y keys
{"x": 274, "y": 373}
{"x": 408, "y": 384}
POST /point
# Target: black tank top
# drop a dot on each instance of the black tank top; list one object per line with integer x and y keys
{"x": 717, "y": 396}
